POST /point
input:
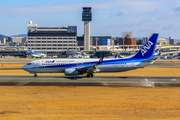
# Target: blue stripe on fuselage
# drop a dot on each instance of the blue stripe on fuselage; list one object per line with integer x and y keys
{"x": 87, "y": 64}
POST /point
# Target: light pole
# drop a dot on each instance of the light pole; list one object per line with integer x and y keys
{"x": 123, "y": 44}
{"x": 96, "y": 43}
{"x": 113, "y": 43}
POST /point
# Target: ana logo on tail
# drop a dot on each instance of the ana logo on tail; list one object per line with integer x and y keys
{"x": 146, "y": 47}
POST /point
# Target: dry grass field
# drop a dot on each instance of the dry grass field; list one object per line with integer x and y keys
{"x": 89, "y": 103}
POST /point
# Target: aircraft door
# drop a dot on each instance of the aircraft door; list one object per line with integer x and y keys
{"x": 132, "y": 63}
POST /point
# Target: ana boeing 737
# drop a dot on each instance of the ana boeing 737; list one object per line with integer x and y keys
{"x": 75, "y": 67}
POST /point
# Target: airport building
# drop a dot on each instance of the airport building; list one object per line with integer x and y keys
{"x": 3, "y": 40}
{"x": 87, "y": 18}
{"x": 171, "y": 41}
{"x": 129, "y": 41}
{"x": 162, "y": 42}
{"x": 101, "y": 40}
{"x": 17, "y": 39}
{"x": 52, "y": 38}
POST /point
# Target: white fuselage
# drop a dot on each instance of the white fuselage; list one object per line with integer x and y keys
{"x": 59, "y": 65}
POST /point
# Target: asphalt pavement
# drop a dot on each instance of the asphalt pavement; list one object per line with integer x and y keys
{"x": 121, "y": 81}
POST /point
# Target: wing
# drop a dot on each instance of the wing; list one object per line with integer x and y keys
{"x": 92, "y": 68}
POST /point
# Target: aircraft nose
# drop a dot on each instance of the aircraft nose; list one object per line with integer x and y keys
{"x": 24, "y": 67}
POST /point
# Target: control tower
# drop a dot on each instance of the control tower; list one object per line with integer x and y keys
{"x": 87, "y": 17}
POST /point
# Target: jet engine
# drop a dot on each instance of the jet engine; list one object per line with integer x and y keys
{"x": 71, "y": 71}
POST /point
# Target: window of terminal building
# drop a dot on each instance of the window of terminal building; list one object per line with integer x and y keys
{"x": 48, "y": 38}
{"x": 38, "y": 45}
{"x": 60, "y": 48}
{"x": 32, "y": 44}
{"x": 59, "y": 44}
{"x": 70, "y": 38}
{"x": 44, "y": 48}
{"x": 59, "y": 38}
{"x": 38, "y": 48}
{"x": 54, "y": 41}
{"x": 64, "y": 41}
{"x": 70, "y": 44}
{"x": 29, "y": 38}
{"x": 38, "y": 41}
{"x": 48, "y": 44}
{"x": 43, "y": 38}
{"x": 70, "y": 41}
{"x": 32, "y": 41}
{"x": 48, "y": 48}
{"x": 64, "y": 38}
{"x": 48, "y": 41}
{"x": 32, "y": 38}
{"x": 59, "y": 41}
{"x": 29, "y": 41}
{"x": 74, "y": 38}
{"x": 43, "y": 41}
{"x": 54, "y": 45}
{"x": 43, "y": 44}
{"x": 64, "y": 44}
{"x": 54, "y": 38}
{"x": 38, "y": 38}
{"x": 54, "y": 48}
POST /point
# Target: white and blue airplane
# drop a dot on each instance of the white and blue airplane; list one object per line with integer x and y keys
{"x": 37, "y": 55}
{"x": 76, "y": 67}
{"x": 172, "y": 56}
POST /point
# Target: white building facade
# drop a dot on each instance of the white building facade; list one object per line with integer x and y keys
{"x": 52, "y": 38}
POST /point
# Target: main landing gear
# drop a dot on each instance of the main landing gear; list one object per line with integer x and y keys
{"x": 89, "y": 75}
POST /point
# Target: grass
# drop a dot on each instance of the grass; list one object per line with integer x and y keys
{"x": 89, "y": 103}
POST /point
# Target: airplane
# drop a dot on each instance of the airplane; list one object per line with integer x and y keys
{"x": 155, "y": 57}
{"x": 76, "y": 56}
{"x": 37, "y": 55}
{"x": 76, "y": 67}
{"x": 171, "y": 57}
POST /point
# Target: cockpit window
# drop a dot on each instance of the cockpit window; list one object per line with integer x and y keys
{"x": 28, "y": 63}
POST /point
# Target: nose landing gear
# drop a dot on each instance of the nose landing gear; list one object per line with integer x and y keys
{"x": 35, "y": 75}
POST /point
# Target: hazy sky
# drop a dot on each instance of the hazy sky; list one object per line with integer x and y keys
{"x": 110, "y": 17}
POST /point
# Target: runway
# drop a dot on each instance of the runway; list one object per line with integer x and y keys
{"x": 121, "y": 81}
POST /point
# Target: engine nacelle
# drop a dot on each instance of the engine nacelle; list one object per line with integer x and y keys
{"x": 71, "y": 71}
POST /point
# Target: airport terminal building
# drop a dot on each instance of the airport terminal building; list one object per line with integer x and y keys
{"x": 52, "y": 38}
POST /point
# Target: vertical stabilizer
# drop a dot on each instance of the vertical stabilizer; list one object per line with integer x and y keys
{"x": 147, "y": 51}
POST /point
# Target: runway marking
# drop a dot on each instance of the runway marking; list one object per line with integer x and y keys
{"x": 24, "y": 82}
{"x": 149, "y": 83}
{"x": 174, "y": 79}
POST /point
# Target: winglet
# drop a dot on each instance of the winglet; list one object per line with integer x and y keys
{"x": 116, "y": 56}
{"x": 100, "y": 60}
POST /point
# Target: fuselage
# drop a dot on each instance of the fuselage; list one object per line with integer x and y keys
{"x": 59, "y": 65}
{"x": 38, "y": 55}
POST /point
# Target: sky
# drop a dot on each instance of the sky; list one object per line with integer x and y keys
{"x": 109, "y": 17}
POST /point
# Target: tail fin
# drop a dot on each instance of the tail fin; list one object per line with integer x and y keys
{"x": 116, "y": 56}
{"x": 159, "y": 53}
{"x": 147, "y": 51}
{"x": 31, "y": 51}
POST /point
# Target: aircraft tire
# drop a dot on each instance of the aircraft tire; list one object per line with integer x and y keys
{"x": 35, "y": 75}
{"x": 88, "y": 75}
{"x": 91, "y": 74}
